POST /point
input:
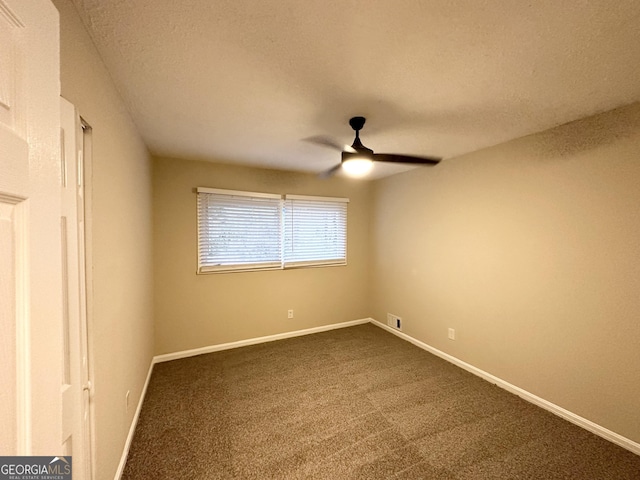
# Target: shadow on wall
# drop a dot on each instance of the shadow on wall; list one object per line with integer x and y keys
{"x": 589, "y": 134}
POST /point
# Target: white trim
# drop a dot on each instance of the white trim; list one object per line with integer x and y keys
{"x": 525, "y": 395}
{"x": 238, "y": 193}
{"x": 134, "y": 424}
{"x": 316, "y": 263}
{"x": 215, "y": 348}
{"x": 24, "y": 377}
{"x": 253, "y": 341}
{"x": 87, "y": 178}
{"x": 531, "y": 398}
{"x": 316, "y": 198}
{"x": 239, "y": 267}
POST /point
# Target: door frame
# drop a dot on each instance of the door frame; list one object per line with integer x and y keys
{"x": 78, "y": 388}
{"x": 87, "y": 175}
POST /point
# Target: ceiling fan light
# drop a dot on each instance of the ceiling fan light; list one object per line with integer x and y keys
{"x": 357, "y": 167}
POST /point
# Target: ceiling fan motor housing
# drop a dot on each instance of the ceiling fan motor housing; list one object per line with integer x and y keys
{"x": 357, "y": 123}
{"x": 360, "y": 150}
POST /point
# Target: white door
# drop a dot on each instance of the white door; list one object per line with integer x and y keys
{"x": 30, "y": 245}
{"x": 76, "y": 385}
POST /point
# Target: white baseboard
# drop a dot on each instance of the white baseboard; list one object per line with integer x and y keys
{"x": 253, "y": 341}
{"x": 134, "y": 423}
{"x": 528, "y": 396}
{"x": 215, "y": 348}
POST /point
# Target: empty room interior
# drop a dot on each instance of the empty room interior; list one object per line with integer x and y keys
{"x": 484, "y": 320}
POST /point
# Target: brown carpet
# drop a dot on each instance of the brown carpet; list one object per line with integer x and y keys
{"x": 352, "y": 403}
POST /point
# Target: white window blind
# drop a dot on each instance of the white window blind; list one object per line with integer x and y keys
{"x": 315, "y": 231}
{"x": 238, "y": 230}
{"x": 252, "y": 231}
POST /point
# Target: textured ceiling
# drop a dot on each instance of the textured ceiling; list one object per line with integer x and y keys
{"x": 247, "y": 81}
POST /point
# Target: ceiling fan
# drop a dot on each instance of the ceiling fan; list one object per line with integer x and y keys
{"x": 357, "y": 160}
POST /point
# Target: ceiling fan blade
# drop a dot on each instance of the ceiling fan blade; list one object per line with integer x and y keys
{"x": 392, "y": 158}
{"x": 330, "y": 172}
{"x": 327, "y": 141}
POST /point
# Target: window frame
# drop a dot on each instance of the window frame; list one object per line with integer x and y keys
{"x": 206, "y": 268}
{"x": 318, "y": 262}
{"x": 281, "y": 263}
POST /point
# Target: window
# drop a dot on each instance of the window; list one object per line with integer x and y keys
{"x": 238, "y": 230}
{"x": 254, "y": 231}
{"x": 315, "y": 231}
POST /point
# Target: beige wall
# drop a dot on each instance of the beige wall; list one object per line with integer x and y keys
{"x": 199, "y": 310}
{"x": 531, "y": 251}
{"x": 120, "y": 239}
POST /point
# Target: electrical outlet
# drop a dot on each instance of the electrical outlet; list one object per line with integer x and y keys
{"x": 289, "y": 313}
{"x": 394, "y": 321}
{"x": 452, "y": 334}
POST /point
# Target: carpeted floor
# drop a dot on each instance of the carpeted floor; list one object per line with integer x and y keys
{"x": 352, "y": 403}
